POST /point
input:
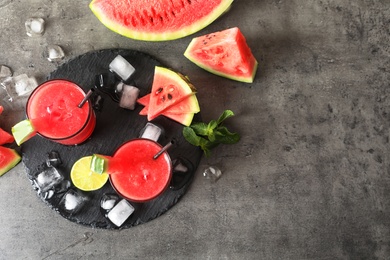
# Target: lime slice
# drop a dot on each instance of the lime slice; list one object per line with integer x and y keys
{"x": 23, "y": 131}
{"x": 84, "y": 178}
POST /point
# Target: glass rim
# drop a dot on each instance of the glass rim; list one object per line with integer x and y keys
{"x": 170, "y": 171}
{"x": 90, "y": 110}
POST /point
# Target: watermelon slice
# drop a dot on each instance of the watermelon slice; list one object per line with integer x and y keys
{"x": 168, "y": 89}
{"x": 1, "y": 109}
{"x": 224, "y": 53}
{"x": 184, "y": 118}
{"x": 158, "y": 20}
{"x": 8, "y": 159}
{"x": 187, "y": 105}
{"x": 5, "y": 137}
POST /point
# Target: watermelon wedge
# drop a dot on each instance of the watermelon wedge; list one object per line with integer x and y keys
{"x": 189, "y": 105}
{"x": 184, "y": 118}
{"x": 158, "y": 20}
{"x": 5, "y": 137}
{"x": 224, "y": 53}
{"x": 8, "y": 159}
{"x": 168, "y": 89}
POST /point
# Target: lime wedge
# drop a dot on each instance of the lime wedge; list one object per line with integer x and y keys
{"x": 23, "y": 131}
{"x": 99, "y": 163}
{"x": 84, "y": 178}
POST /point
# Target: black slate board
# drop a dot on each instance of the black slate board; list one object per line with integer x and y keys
{"x": 114, "y": 126}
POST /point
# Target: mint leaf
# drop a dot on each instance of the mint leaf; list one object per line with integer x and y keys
{"x": 191, "y": 137}
{"x": 200, "y": 128}
{"x": 225, "y": 115}
{"x": 223, "y": 135}
{"x": 210, "y": 135}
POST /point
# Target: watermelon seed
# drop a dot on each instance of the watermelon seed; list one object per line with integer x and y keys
{"x": 169, "y": 96}
{"x": 159, "y": 90}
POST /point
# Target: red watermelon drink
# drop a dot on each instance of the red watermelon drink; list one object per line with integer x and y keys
{"x": 53, "y": 111}
{"x": 135, "y": 174}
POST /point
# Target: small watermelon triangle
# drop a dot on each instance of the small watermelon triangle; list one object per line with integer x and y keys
{"x": 224, "y": 53}
{"x": 5, "y": 137}
{"x": 168, "y": 89}
{"x": 8, "y": 159}
{"x": 184, "y": 118}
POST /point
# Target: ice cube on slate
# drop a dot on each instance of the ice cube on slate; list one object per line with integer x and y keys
{"x": 178, "y": 166}
{"x": 120, "y": 213}
{"x": 53, "y": 159}
{"x": 35, "y": 26}
{"x": 48, "y": 179}
{"x": 24, "y": 84}
{"x": 213, "y": 173}
{"x": 108, "y": 201}
{"x": 121, "y": 67}
{"x": 151, "y": 131}
{"x": 54, "y": 53}
{"x": 72, "y": 201}
{"x": 129, "y": 96}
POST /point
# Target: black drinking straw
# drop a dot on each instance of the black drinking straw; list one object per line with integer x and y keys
{"x": 87, "y": 96}
{"x": 166, "y": 147}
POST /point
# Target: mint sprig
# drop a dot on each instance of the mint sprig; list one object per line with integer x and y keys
{"x": 210, "y": 135}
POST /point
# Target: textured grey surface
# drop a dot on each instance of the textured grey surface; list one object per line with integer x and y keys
{"x": 310, "y": 178}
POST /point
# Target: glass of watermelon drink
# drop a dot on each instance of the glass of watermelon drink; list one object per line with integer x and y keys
{"x": 135, "y": 174}
{"x": 53, "y": 111}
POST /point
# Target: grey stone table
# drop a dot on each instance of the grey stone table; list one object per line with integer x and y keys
{"x": 310, "y": 177}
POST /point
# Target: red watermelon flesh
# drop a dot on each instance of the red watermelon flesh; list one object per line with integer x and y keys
{"x": 1, "y": 109}
{"x": 158, "y": 20}
{"x": 224, "y": 53}
{"x": 168, "y": 89}
{"x": 184, "y": 118}
{"x": 5, "y": 137}
{"x": 187, "y": 105}
{"x": 8, "y": 159}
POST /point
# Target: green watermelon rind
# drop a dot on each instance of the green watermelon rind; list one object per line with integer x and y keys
{"x": 9, "y": 164}
{"x": 162, "y": 36}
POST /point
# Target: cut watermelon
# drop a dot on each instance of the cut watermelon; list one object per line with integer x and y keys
{"x": 224, "y": 53}
{"x": 168, "y": 89}
{"x": 8, "y": 159}
{"x": 158, "y": 20}
{"x": 5, "y": 137}
{"x": 188, "y": 105}
{"x": 182, "y": 118}
{"x": 1, "y": 109}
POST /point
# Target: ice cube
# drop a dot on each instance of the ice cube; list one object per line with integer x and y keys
{"x": 24, "y": 84}
{"x": 129, "y": 96}
{"x": 63, "y": 186}
{"x": 53, "y": 159}
{"x": 73, "y": 201}
{"x": 120, "y": 213}
{"x": 212, "y": 172}
{"x": 5, "y": 97}
{"x": 5, "y": 72}
{"x": 54, "y": 53}
{"x": 121, "y": 67}
{"x": 183, "y": 171}
{"x": 97, "y": 102}
{"x": 35, "y": 26}
{"x": 108, "y": 201}
{"x": 47, "y": 179}
{"x": 151, "y": 131}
